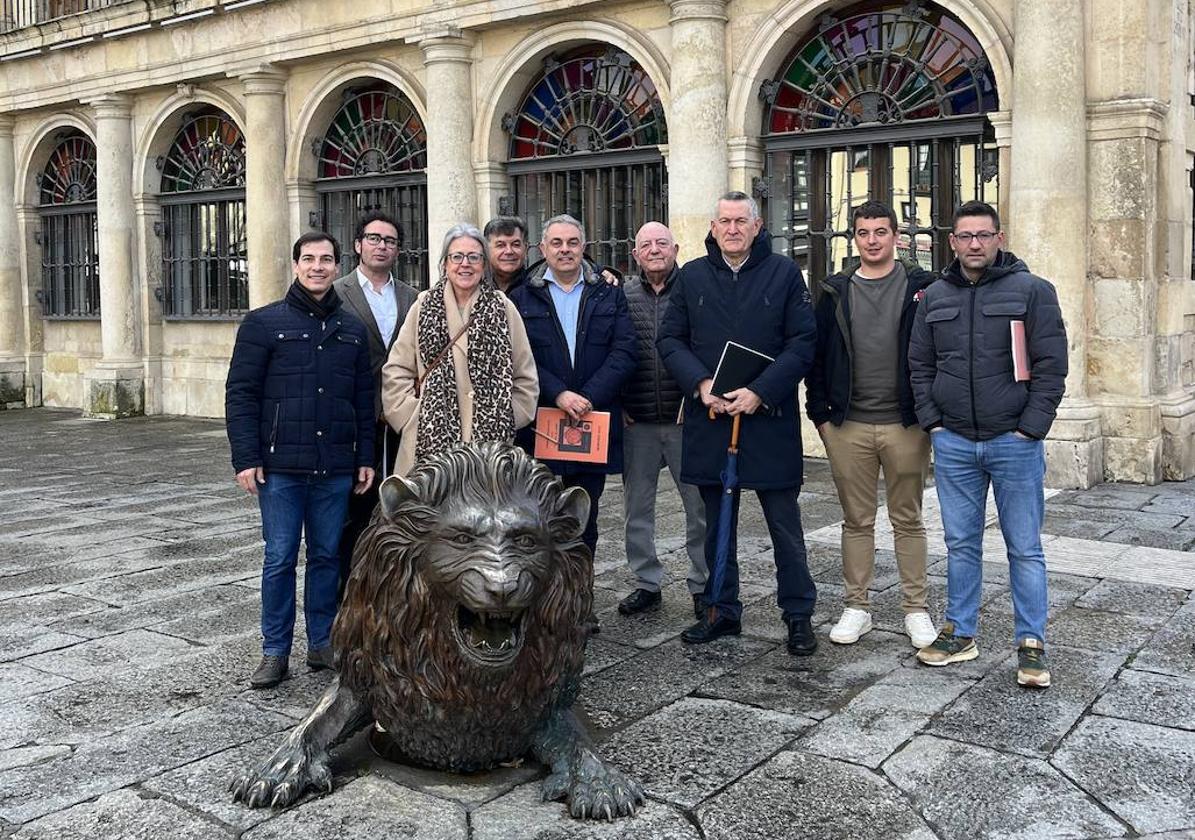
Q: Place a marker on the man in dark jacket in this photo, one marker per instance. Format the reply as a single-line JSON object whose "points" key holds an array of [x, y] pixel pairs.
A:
{"points": [[985, 319], [584, 347], [380, 302], [652, 435], [299, 405], [742, 292], [859, 397]]}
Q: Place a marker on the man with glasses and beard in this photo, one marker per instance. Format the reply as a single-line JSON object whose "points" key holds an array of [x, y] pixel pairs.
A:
{"points": [[380, 302]]}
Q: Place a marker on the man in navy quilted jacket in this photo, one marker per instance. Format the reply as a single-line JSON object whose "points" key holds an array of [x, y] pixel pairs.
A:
{"points": [[299, 404]]}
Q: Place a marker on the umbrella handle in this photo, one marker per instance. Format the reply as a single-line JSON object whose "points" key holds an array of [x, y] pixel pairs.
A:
{"points": [[734, 433]]}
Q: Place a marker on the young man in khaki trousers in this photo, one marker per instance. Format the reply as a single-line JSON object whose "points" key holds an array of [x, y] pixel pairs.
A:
{"points": [[860, 399]]}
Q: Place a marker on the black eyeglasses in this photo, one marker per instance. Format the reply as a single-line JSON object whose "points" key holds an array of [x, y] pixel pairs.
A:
{"points": [[984, 237], [378, 239]]}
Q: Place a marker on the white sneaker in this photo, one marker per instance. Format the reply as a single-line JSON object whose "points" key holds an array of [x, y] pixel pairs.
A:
{"points": [[920, 629], [853, 624]]}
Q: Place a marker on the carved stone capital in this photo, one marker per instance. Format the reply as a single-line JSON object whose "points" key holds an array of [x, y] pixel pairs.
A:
{"points": [[446, 44], [266, 80], [112, 106], [683, 10]]}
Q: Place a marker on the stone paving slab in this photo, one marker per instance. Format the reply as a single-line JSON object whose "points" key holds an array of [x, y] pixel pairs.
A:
{"points": [[987, 799], [18, 680], [366, 809], [998, 713], [1172, 648], [687, 751], [804, 797], [125, 814], [633, 688], [125, 758], [885, 715], [814, 686], [523, 815], [1150, 698], [1145, 774]]}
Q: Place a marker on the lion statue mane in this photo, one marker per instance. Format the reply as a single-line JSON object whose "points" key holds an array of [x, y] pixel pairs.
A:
{"points": [[462, 634]]}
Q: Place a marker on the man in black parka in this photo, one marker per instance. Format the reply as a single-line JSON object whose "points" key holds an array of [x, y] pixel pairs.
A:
{"points": [[742, 292]]}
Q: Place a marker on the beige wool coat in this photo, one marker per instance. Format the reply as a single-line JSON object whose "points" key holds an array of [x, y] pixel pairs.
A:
{"points": [[404, 366]]}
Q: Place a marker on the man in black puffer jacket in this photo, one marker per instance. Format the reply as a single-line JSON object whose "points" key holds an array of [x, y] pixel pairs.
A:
{"points": [[987, 417], [651, 402], [299, 405]]}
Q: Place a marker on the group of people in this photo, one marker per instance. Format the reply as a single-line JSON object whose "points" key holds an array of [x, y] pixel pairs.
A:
{"points": [[347, 380]]}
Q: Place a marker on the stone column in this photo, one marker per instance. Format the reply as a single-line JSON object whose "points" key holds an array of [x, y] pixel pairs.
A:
{"points": [[491, 183], [451, 197], [115, 387], [1048, 208], [697, 156], [12, 327], [267, 220]]}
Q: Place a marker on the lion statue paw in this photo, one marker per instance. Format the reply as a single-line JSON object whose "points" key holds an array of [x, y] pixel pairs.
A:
{"points": [[281, 779], [593, 789]]}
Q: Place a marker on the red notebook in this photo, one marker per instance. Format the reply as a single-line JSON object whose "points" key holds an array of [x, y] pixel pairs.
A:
{"points": [[1020, 352], [558, 439]]}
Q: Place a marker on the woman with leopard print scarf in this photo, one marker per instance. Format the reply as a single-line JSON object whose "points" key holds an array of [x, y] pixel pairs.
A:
{"points": [[461, 368]]}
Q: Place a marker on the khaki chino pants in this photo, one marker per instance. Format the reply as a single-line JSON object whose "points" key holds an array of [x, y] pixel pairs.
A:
{"points": [[858, 452]]}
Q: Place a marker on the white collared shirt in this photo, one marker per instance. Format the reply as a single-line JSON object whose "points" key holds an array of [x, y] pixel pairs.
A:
{"points": [[383, 305]]}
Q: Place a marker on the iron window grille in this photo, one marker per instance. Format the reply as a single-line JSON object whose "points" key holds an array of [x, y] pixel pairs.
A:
{"points": [[205, 258], [883, 102], [373, 156], [70, 268], [585, 141]]}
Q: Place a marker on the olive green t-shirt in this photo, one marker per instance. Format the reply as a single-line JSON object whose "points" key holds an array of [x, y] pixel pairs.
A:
{"points": [[875, 333]]}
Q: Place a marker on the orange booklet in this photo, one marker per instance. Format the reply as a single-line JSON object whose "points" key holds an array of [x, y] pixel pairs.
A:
{"points": [[557, 438], [1020, 352]]}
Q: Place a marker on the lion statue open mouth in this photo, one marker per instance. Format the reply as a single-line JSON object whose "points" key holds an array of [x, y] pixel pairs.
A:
{"points": [[462, 634]]}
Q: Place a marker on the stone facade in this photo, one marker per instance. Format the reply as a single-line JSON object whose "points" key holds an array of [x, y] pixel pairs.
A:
{"points": [[1095, 127]]}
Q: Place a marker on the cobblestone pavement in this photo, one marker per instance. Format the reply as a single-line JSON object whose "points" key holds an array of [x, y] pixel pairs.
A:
{"points": [[129, 570]]}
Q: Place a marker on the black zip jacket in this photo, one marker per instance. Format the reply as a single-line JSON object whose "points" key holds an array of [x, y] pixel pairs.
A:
{"points": [[960, 356], [651, 395], [828, 385]]}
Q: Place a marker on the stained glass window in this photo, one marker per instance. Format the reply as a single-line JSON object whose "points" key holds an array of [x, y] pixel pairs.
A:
{"points": [[208, 153], [373, 156], [69, 252], [831, 140], [205, 253], [586, 142], [592, 101], [882, 63], [375, 132]]}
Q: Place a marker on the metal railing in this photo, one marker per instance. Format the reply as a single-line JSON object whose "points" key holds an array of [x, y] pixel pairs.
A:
{"points": [[18, 14]]}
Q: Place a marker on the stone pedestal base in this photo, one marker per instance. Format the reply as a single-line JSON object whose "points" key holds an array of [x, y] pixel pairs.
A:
{"points": [[1178, 438], [112, 392], [1132, 439], [1074, 449], [12, 383]]}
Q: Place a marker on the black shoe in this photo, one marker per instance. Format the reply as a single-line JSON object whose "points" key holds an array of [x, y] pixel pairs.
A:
{"points": [[704, 631], [270, 672], [321, 659], [698, 606], [638, 601], [801, 641]]}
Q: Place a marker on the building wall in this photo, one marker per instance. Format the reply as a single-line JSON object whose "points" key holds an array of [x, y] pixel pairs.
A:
{"points": [[1124, 275]]}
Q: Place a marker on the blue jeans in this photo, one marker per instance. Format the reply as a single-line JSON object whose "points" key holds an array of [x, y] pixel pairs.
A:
{"points": [[1015, 467], [291, 506]]}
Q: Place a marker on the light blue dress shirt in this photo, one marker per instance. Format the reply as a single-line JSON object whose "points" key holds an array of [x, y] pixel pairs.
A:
{"points": [[383, 305], [568, 309]]}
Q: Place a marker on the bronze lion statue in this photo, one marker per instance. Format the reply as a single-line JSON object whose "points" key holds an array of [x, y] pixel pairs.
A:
{"points": [[462, 635]]}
